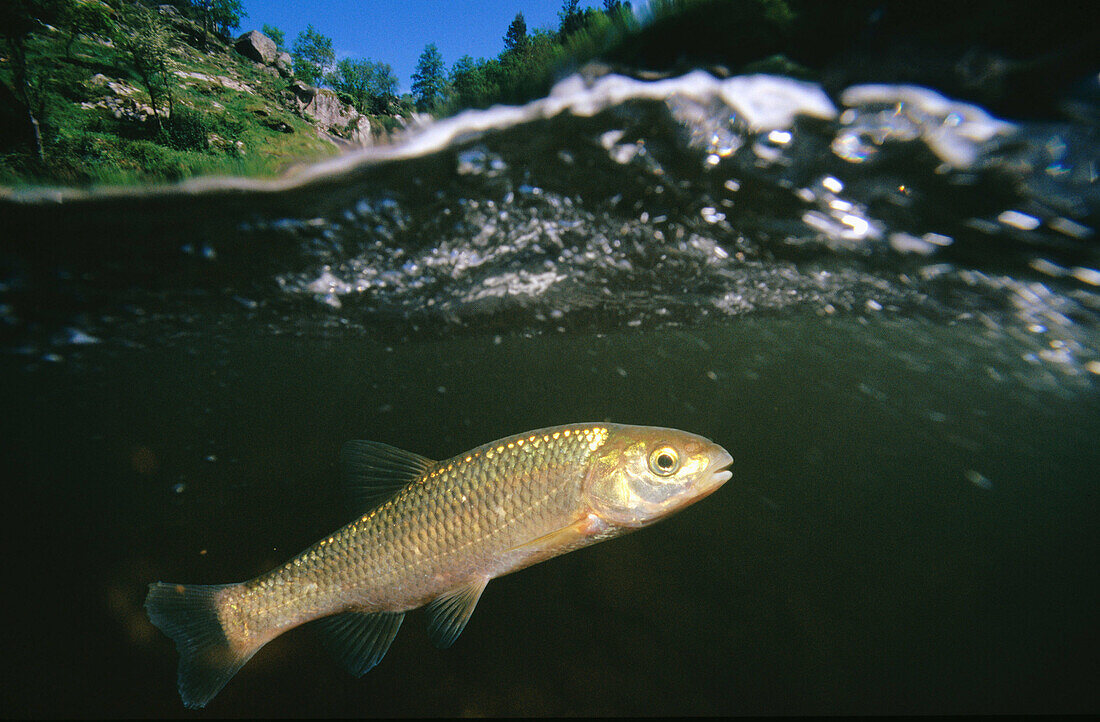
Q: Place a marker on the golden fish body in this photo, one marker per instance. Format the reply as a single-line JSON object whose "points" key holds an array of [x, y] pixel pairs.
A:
{"points": [[442, 532]]}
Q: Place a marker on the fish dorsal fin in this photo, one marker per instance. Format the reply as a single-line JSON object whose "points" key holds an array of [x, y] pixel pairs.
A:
{"points": [[448, 614], [360, 639], [374, 471]]}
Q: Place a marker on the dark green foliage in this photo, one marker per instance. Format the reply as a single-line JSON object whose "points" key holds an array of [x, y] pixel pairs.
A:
{"points": [[371, 87], [516, 37], [571, 18], [531, 62], [220, 16], [84, 17], [313, 55], [277, 35], [469, 85], [40, 115], [21, 21], [227, 15], [186, 130], [429, 84]]}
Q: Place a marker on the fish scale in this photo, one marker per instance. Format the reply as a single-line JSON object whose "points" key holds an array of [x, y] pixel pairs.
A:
{"points": [[356, 567], [444, 531]]}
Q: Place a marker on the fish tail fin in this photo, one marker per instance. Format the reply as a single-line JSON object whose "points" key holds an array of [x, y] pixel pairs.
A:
{"points": [[189, 615]]}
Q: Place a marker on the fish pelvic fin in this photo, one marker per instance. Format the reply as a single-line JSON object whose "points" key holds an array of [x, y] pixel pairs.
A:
{"points": [[361, 639], [447, 615], [189, 615]]}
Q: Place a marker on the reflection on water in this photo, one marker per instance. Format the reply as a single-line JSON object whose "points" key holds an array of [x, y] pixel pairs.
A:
{"points": [[884, 304]]}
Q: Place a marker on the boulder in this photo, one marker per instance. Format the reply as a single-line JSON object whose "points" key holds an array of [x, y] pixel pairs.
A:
{"points": [[338, 122], [360, 131], [285, 65], [303, 93], [327, 110], [254, 45]]}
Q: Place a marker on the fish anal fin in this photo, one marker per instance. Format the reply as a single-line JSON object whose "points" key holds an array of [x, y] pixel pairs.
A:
{"points": [[374, 471], [361, 639], [448, 614]]}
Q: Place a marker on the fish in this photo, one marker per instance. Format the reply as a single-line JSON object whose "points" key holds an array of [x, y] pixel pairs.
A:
{"points": [[433, 534]]}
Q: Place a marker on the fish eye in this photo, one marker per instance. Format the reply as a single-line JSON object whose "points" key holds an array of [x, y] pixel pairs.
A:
{"points": [[664, 461]]}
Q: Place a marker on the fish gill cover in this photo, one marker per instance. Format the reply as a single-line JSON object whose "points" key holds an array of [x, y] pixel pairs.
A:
{"points": [[613, 201]]}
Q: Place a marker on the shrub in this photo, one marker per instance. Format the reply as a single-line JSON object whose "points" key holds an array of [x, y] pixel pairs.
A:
{"points": [[187, 130]]}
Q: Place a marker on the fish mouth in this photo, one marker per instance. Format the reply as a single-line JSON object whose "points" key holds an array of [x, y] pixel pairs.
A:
{"points": [[719, 474]]}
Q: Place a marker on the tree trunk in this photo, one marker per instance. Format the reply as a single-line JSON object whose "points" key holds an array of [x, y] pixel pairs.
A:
{"points": [[36, 134], [154, 98], [23, 93]]}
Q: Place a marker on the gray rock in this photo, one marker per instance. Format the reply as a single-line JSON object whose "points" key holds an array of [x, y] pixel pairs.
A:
{"points": [[254, 45], [285, 65], [334, 120], [326, 109], [303, 93], [416, 120], [340, 123]]}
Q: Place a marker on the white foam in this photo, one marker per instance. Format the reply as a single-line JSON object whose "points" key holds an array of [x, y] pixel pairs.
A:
{"points": [[954, 131]]}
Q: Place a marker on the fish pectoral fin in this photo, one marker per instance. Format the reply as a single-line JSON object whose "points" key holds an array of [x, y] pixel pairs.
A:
{"points": [[374, 471], [360, 639], [559, 541], [448, 614]]}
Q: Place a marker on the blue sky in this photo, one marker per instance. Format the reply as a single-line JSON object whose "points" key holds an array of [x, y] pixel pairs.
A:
{"points": [[396, 31]]}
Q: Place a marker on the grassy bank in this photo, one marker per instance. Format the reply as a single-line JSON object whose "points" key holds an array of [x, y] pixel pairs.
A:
{"points": [[96, 121]]}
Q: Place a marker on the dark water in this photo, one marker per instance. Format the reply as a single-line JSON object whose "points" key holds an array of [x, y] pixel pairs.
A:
{"points": [[884, 305]]}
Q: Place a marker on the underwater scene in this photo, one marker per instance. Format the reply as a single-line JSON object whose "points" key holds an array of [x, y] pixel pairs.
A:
{"points": [[882, 301]]}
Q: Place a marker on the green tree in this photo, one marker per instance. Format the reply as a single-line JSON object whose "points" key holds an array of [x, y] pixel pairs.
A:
{"points": [[516, 37], [19, 21], [429, 84], [313, 55], [148, 40], [383, 89], [371, 87], [227, 15], [83, 17], [276, 35], [220, 16], [571, 18], [471, 84]]}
